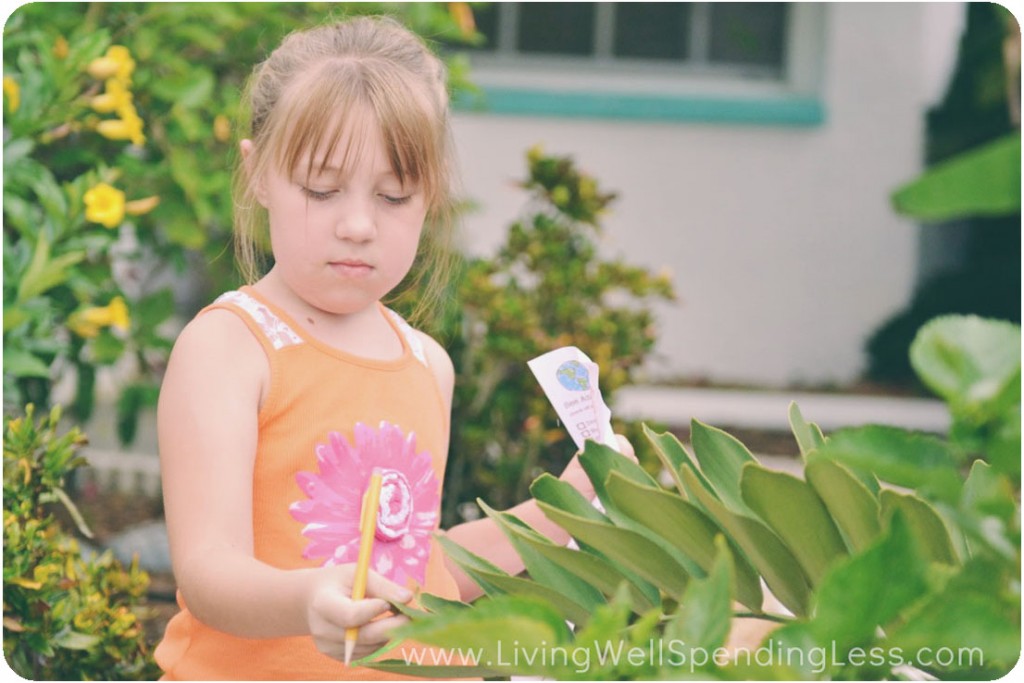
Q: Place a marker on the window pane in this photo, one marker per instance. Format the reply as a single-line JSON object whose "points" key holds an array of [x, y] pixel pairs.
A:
{"points": [[748, 32], [563, 28], [654, 30], [486, 18]]}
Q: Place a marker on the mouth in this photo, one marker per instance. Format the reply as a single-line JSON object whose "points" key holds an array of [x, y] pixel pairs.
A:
{"points": [[351, 268]]}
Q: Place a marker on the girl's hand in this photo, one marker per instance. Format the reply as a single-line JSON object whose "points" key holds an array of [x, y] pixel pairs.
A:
{"points": [[575, 476], [330, 610]]}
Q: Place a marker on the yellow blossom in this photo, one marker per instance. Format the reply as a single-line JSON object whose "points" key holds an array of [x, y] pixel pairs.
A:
{"points": [[13, 92], [221, 128], [137, 207], [117, 63], [128, 127], [463, 16], [89, 321], [115, 97], [104, 205], [60, 47]]}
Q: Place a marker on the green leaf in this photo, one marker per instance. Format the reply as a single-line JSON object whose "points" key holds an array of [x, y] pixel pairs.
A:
{"points": [[808, 437], [598, 572], [976, 615], [527, 588], [629, 548], [558, 494], [870, 589], [599, 461], [434, 603], [762, 547], [721, 458], [541, 569], [494, 627], [705, 615], [401, 668], [852, 507], [475, 566], [44, 273], [14, 316], [73, 511], [674, 457], [988, 493], [795, 512], [74, 640], [925, 523], [984, 181], [909, 459], [21, 363], [968, 360], [684, 526]]}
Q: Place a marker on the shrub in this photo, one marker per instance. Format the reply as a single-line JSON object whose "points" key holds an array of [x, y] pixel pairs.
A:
{"points": [[66, 617], [874, 578], [548, 286]]}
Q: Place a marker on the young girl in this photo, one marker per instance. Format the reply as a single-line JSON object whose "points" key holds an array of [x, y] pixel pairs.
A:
{"points": [[282, 397]]}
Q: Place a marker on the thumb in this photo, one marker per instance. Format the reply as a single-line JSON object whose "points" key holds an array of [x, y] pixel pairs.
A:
{"points": [[379, 587]]}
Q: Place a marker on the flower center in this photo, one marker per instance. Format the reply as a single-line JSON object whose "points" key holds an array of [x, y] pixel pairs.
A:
{"points": [[395, 507]]}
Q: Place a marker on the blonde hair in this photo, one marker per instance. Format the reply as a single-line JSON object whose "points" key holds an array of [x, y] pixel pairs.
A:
{"points": [[293, 99]]}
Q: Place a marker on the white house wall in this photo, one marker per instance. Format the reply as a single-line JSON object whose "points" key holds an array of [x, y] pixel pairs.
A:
{"points": [[781, 240]]}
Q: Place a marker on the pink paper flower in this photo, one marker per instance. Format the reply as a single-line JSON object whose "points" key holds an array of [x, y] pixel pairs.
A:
{"points": [[409, 501]]}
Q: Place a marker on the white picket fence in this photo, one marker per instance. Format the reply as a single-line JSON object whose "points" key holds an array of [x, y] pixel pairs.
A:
{"points": [[118, 471]]}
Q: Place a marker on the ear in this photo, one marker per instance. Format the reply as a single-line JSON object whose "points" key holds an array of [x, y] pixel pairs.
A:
{"points": [[259, 190]]}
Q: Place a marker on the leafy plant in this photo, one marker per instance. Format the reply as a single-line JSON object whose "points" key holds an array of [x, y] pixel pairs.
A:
{"points": [[65, 617], [548, 286], [894, 549]]}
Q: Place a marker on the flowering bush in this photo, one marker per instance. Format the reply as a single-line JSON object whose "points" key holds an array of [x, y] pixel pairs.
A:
{"points": [[65, 617]]}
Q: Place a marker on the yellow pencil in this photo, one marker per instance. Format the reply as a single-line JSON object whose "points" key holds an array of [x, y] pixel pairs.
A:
{"points": [[367, 529]]}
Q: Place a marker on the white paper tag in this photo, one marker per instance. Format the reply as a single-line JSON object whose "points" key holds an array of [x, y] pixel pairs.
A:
{"points": [[569, 379]]}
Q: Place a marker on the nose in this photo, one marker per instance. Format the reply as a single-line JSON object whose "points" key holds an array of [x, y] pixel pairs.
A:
{"points": [[356, 221]]}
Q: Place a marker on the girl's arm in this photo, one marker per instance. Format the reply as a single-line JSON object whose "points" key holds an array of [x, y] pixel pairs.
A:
{"points": [[483, 537], [207, 429]]}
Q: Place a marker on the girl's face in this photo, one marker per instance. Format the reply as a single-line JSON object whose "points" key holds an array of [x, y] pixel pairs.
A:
{"points": [[346, 235]]}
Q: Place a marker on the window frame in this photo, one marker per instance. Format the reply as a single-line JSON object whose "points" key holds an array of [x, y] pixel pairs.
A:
{"points": [[602, 86]]}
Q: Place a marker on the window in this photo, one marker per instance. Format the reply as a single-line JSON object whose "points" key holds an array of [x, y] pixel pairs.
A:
{"points": [[757, 62], [746, 38]]}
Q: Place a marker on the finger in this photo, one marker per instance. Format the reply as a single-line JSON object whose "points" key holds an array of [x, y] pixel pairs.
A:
{"points": [[625, 447], [379, 587], [377, 633], [354, 613]]}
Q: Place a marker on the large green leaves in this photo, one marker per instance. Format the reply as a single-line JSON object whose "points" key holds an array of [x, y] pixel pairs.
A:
{"points": [[795, 512], [852, 506], [684, 526], [980, 182]]}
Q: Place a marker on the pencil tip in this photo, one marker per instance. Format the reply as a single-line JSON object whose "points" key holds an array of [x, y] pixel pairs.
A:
{"points": [[349, 646]]}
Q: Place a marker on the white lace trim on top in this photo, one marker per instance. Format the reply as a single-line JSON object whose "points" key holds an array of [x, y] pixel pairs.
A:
{"points": [[415, 343], [275, 329], [281, 335]]}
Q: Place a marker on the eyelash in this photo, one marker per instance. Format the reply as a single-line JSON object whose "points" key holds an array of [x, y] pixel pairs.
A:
{"points": [[324, 196]]}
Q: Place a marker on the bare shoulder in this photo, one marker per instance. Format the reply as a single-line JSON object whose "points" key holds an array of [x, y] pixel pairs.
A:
{"points": [[441, 364], [217, 350]]}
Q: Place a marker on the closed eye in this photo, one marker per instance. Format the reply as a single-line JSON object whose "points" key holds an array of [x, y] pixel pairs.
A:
{"points": [[316, 195], [395, 201]]}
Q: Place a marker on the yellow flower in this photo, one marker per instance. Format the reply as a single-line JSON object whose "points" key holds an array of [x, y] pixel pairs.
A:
{"points": [[221, 128], [115, 97], [128, 127], [104, 205], [13, 92], [89, 321], [117, 63], [60, 47], [137, 207], [461, 13]]}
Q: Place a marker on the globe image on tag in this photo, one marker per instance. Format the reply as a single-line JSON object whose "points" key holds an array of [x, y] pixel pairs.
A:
{"points": [[573, 375]]}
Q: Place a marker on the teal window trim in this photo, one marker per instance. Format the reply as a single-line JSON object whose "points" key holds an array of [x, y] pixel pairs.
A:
{"points": [[781, 110]]}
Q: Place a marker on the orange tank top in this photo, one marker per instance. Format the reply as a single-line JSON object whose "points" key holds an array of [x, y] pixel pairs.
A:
{"points": [[328, 420]]}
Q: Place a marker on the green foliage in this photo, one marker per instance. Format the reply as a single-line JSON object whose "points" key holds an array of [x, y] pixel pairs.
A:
{"points": [[878, 579], [547, 287], [61, 262], [65, 617]]}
